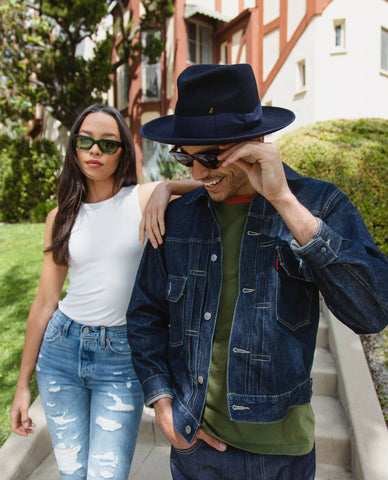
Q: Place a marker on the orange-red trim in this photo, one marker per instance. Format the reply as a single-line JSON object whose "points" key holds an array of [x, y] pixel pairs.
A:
{"points": [[240, 198]]}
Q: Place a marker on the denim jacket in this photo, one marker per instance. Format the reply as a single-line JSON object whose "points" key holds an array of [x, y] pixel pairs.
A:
{"points": [[172, 313]]}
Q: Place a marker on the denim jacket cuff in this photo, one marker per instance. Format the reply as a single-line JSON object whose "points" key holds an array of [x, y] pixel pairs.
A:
{"points": [[155, 398], [156, 387], [322, 249]]}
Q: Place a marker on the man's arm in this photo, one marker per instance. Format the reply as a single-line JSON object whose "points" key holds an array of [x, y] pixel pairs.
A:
{"points": [[350, 272]]}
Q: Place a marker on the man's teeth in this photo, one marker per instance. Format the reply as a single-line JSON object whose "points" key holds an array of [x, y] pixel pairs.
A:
{"points": [[211, 184]]}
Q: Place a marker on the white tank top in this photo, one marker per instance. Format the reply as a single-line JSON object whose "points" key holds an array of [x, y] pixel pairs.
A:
{"points": [[104, 258]]}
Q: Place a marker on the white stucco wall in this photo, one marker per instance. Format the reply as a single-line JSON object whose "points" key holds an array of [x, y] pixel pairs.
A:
{"points": [[271, 10], [296, 11], [230, 8], [270, 51], [208, 4], [339, 85]]}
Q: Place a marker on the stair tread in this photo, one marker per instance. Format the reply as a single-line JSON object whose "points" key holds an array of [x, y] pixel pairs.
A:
{"points": [[333, 472], [324, 361], [330, 417]]}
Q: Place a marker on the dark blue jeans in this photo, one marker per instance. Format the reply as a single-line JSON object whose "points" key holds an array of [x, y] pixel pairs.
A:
{"points": [[202, 462]]}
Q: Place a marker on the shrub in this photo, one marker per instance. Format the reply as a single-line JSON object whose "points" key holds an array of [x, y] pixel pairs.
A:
{"points": [[28, 175], [353, 154]]}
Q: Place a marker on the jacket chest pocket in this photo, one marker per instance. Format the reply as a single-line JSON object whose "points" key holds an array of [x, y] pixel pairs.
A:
{"points": [[295, 291], [175, 296]]}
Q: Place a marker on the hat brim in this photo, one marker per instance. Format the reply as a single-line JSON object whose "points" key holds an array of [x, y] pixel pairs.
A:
{"points": [[162, 129]]}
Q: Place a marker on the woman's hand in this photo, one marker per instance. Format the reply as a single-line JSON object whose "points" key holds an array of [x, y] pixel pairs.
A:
{"points": [[21, 423], [152, 221], [153, 199]]}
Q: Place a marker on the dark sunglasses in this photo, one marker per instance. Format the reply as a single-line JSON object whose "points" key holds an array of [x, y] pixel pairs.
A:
{"points": [[207, 159], [86, 143]]}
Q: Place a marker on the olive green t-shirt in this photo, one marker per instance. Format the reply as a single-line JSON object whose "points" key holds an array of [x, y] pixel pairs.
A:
{"points": [[294, 435]]}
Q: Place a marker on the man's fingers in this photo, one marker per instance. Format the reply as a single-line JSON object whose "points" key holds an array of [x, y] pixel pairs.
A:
{"points": [[213, 442]]}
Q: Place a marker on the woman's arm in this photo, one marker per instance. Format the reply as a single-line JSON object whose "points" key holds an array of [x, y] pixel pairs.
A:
{"points": [[43, 306], [153, 199]]}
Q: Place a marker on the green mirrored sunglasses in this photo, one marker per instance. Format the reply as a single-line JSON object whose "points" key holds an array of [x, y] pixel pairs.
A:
{"points": [[106, 146]]}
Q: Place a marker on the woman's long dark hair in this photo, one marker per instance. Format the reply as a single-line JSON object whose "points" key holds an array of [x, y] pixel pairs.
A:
{"points": [[72, 187]]}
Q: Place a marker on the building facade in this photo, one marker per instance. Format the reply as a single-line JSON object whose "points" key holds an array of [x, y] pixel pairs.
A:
{"points": [[323, 59]]}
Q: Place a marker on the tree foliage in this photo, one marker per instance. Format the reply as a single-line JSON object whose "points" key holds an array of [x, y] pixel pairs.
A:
{"points": [[23, 39], [28, 176], [41, 52]]}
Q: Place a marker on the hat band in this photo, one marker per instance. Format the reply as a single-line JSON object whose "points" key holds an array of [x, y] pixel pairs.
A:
{"points": [[216, 125]]}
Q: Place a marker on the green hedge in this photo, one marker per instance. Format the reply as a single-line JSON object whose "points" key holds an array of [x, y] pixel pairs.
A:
{"points": [[353, 154], [28, 175]]}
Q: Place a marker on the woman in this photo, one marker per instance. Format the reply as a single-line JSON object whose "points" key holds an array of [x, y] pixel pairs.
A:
{"points": [[89, 390]]}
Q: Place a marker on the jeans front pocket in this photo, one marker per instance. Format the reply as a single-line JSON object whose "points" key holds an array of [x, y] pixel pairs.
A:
{"points": [[119, 346], [53, 330], [190, 450]]}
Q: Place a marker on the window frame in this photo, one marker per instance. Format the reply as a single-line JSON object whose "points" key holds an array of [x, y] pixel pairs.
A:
{"points": [[197, 42], [122, 94], [339, 48], [301, 76], [148, 71], [384, 51]]}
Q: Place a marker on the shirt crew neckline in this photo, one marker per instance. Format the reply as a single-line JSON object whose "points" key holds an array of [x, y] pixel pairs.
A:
{"points": [[93, 205]]}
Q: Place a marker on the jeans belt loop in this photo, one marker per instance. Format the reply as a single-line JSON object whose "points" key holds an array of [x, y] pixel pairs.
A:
{"points": [[102, 336], [66, 327]]}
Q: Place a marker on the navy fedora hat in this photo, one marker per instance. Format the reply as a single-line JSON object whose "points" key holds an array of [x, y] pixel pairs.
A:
{"points": [[217, 104]]}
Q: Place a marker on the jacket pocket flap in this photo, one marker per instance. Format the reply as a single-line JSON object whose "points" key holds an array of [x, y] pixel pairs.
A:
{"points": [[294, 266], [175, 288]]}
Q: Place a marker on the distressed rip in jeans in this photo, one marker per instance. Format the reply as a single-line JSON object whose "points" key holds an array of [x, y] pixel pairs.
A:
{"points": [[91, 397]]}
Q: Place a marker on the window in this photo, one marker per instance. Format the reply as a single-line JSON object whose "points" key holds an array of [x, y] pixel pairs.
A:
{"points": [[151, 155], [384, 49], [224, 53], [150, 73], [122, 86], [301, 76], [339, 35], [199, 43]]}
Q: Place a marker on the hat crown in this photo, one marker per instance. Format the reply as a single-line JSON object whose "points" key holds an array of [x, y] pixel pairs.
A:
{"points": [[215, 89], [217, 104]]}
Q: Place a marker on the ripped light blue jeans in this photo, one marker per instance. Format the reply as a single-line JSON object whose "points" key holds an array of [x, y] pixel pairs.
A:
{"points": [[91, 397]]}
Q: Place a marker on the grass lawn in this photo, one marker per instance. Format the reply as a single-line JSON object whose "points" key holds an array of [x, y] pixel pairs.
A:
{"points": [[21, 254]]}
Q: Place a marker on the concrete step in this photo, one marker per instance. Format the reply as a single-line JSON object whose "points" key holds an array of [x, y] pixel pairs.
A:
{"points": [[324, 373], [323, 333], [332, 434], [331, 472], [47, 470]]}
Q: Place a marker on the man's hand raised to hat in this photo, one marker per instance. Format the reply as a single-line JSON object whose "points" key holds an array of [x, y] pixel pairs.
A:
{"points": [[264, 168], [262, 164]]}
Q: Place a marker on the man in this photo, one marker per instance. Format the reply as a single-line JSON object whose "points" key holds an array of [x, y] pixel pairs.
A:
{"points": [[224, 314]]}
